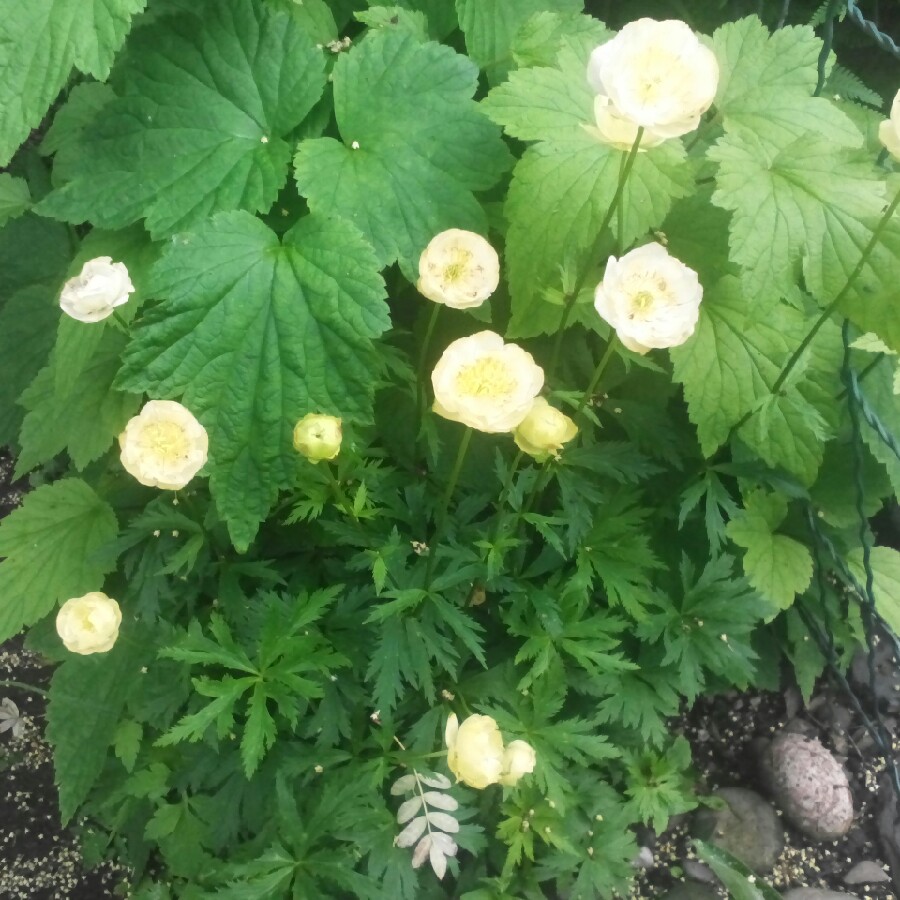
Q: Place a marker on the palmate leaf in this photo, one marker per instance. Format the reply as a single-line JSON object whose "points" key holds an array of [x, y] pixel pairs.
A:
{"points": [[86, 698], [490, 26], [766, 84], [563, 185], [776, 565], [51, 546], [252, 335], [415, 146], [74, 406], [40, 41], [199, 126], [794, 202]]}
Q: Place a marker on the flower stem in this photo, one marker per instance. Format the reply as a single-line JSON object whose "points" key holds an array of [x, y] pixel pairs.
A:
{"points": [[504, 491], [598, 373], [25, 687], [572, 296], [829, 310], [441, 516], [340, 495], [421, 390]]}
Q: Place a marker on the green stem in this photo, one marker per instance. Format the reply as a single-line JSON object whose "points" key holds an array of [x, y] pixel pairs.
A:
{"points": [[25, 687], [829, 310], [504, 491], [441, 516], [572, 296], [421, 389], [339, 493], [598, 373]]}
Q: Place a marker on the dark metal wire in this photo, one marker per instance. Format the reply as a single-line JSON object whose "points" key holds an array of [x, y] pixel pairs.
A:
{"points": [[874, 625], [884, 41]]}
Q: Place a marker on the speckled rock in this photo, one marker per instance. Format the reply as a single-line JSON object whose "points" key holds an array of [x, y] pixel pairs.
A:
{"points": [[809, 785], [816, 894], [748, 828]]}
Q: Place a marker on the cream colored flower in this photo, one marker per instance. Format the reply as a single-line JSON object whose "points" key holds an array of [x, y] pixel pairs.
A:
{"points": [[89, 624], [101, 286], [485, 384], [459, 269], [474, 750], [318, 437], [889, 130], [655, 74], [518, 759], [614, 129], [164, 446], [544, 430], [650, 298]]}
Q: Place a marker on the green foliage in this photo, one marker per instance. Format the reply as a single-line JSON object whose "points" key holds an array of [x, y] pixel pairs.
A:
{"points": [[40, 42], [286, 312], [52, 547], [778, 566], [87, 696], [410, 130], [740, 881], [271, 722], [199, 123]]}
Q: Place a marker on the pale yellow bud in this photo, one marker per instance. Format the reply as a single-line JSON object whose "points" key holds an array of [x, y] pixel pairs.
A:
{"points": [[518, 760], [318, 437], [89, 624], [544, 430]]}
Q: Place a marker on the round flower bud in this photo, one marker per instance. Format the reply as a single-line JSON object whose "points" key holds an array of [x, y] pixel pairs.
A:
{"points": [[650, 298], [89, 624], [93, 295], [544, 430], [459, 269], [474, 750], [518, 760], [657, 75], [318, 437], [164, 446], [485, 384], [889, 130]]}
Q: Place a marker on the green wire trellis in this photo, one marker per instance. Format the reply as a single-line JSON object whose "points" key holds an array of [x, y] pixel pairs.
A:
{"points": [[875, 627]]}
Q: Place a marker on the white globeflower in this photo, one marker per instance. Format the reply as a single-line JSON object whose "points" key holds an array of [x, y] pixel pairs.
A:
{"points": [[657, 75], [519, 759], [485, 384], [889, 130], [318, 437], [93, 294], [650, 298], [89, 624], [164, 446], [459, 269]]}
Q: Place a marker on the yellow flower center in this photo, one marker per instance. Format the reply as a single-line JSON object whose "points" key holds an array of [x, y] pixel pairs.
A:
{"points": [[642, 301], [486, 377], [456, 269], [84, 620], [165, 439]]}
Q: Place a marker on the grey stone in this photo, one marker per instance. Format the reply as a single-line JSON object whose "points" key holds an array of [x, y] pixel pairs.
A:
{"points": [[748, 828], [699, 871], [816, 894], [809, 785], [692, 891], [867, 872]]}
